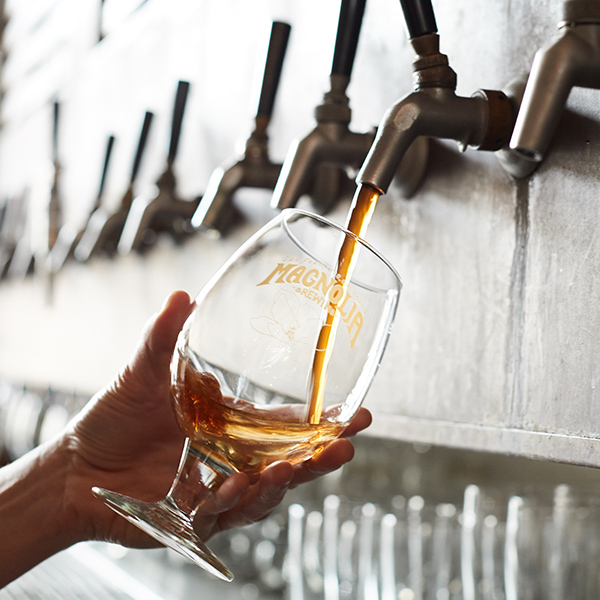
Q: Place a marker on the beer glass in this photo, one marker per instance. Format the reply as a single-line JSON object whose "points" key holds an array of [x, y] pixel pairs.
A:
{"points": [[251, 382]]}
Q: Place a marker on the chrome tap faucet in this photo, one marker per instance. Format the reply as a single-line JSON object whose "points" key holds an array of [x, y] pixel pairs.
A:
{"points": [[316, 164], [104, 229], [54, 204], [12, 230], [68, 237], [483, 121], [571, 58], [254, 169], [158, 209]]}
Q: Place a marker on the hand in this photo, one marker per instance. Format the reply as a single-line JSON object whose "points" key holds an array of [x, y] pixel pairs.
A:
{"points": [[127, 440]]}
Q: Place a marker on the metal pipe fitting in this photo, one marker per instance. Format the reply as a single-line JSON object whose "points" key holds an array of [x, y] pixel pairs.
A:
{"points": [[432, 112], [68, 236], [254, 169], [103, 228], [330, 143], [571, 58], [317, 164], [483, 121], [158, 209]]}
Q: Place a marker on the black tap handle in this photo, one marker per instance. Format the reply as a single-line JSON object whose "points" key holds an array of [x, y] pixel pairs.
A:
{"points": [[55, 119], [141, 145], [280, 33], [109, 147], [419, 17], [346, 41], [180, 101]]}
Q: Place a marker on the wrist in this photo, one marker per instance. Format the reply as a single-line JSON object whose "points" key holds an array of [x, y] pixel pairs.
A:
{"points": [[34, 517]]}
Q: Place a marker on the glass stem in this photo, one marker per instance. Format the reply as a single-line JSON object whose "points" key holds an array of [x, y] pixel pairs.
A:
{"points": [[199, 475]]}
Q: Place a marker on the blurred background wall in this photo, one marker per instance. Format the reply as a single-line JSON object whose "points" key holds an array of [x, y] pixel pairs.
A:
{"points": [[495, 346]]}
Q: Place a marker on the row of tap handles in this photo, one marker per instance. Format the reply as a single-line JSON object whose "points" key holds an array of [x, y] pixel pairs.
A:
{"points": [[517, 124]]}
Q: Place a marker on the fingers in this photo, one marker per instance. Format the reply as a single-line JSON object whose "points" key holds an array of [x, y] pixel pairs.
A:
{"points": [[262, 497], [268, 492], [167, 324], [227, 496], [331, 458], [362, 419], [153, 355], [265, 495], [335, 454]]}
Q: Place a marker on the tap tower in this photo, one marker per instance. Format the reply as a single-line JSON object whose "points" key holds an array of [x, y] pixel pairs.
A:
{"points": [[483, 121]]}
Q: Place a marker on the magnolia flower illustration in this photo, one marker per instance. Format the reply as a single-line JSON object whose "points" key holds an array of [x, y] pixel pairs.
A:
{"points": [[293, 323]]}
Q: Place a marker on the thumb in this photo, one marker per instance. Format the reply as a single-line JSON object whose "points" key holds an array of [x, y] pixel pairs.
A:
{"points": [[153, 355]]}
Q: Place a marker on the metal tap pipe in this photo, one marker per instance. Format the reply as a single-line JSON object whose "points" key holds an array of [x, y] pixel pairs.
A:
{"points": [[68, 237], [12, 229], [254, 169], [158, 209], [330, 143], [103, 230], [432, 112], [54, 204], [483, 121], [313, 164], [571, 58]]}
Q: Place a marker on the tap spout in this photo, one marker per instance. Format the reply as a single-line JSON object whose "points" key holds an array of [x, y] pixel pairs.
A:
{"points": [[571, 58], [483, 121], [330, 143], [158, 208], [254, 169], [68, 236], [103, 229], [430, 112], [313, 164]]}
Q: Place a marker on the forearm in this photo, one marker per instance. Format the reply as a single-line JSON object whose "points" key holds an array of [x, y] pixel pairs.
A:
{"points": [[33, 525]]}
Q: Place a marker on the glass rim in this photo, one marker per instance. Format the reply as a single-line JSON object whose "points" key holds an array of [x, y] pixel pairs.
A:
{"points": [[287, 213]]}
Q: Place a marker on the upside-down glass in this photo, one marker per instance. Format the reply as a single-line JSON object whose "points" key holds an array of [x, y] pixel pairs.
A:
{"points": [[242, 370]]}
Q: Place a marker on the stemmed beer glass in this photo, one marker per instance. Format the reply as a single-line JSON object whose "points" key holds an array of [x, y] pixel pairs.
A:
{"points": [[249, 363]]}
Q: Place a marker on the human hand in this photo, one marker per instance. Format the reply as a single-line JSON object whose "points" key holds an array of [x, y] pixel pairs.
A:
{"points": [[127, 440]]}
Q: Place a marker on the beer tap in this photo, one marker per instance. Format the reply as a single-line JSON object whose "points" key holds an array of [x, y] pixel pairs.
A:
{"points": [[54, 208], [7, 244], [483, 121], [13, 226], [158, 209], [23, 257], [104, 229], [31, 251], [316, 164], [101, 20], [571, 58], [69, 237], [254, 169]]}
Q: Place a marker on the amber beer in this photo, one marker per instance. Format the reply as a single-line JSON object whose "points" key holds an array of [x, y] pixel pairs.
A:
{"points": [[239, 434], [359, 218], [248, 437]]}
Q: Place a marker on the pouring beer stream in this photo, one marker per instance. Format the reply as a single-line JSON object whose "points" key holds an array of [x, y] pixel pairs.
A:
{"points": [[359, 217]]}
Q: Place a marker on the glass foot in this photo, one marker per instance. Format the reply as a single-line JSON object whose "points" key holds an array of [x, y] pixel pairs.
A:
{"points": [[167, 524]]}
